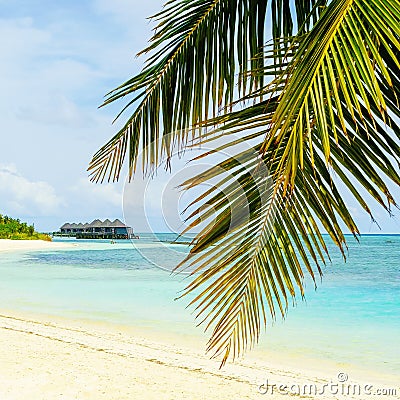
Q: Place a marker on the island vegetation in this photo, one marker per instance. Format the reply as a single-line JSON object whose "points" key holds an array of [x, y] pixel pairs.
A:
{"points": [[11, 228]]}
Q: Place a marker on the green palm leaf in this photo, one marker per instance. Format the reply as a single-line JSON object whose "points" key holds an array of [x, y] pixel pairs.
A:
{"points": [[255, 251], [198, 47], [342, 65], [188, 42], [324, 120], [261, 239], [228, 256]]}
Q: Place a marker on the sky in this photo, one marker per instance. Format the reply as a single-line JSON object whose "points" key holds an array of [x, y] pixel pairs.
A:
{"points": [[58, 60]]}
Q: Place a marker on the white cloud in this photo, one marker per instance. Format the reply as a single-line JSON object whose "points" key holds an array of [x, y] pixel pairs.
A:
{"points": [[24, 42], [55, 110], [127, 11], [21, 196], [94, 197], [44, 82]]}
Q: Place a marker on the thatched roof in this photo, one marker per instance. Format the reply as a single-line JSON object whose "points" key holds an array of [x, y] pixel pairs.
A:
{"points": [[118, 224], [106, 224], [67, 225], [96, 224]]}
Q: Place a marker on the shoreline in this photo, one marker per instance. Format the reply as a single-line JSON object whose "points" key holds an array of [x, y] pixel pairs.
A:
{"points": [[8, 245], [54, 357]]}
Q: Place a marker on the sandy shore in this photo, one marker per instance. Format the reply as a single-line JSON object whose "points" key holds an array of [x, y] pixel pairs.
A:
{"points": [[52, 358], [30, 245], [47, 357]]}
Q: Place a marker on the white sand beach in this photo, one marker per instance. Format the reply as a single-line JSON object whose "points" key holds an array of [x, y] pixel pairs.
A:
{"points": [[53, 358], [7, 245], [45, 360], [48, 357]]}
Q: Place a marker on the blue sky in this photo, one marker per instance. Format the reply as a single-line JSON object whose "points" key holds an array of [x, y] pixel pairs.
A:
{"points": [[58, 59]]}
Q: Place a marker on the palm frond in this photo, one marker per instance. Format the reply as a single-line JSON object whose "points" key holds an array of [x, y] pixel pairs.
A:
{"points": [[198, 47], [255, 251], [199, 51], [253, 254], [328, 120], [344, 65]]}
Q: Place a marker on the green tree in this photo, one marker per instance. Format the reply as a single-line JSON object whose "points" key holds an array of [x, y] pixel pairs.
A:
{"points": [[31, 230], [11, 228], [314, 87]]}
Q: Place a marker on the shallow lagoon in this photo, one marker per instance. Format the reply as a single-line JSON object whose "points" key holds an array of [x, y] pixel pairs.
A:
{"points": [[353, 317]]}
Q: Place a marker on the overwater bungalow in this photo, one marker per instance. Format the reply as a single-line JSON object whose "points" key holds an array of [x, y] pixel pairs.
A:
{"points": [[97, 230]]}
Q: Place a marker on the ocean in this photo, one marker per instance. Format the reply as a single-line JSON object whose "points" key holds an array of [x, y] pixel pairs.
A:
{"points": [[353, 317]]}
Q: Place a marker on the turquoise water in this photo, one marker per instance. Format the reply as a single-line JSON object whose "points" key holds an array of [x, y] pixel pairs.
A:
{"points": [[353, 317]]}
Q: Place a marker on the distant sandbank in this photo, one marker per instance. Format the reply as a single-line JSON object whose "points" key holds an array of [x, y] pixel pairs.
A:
{"points": [[7, 245]]}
